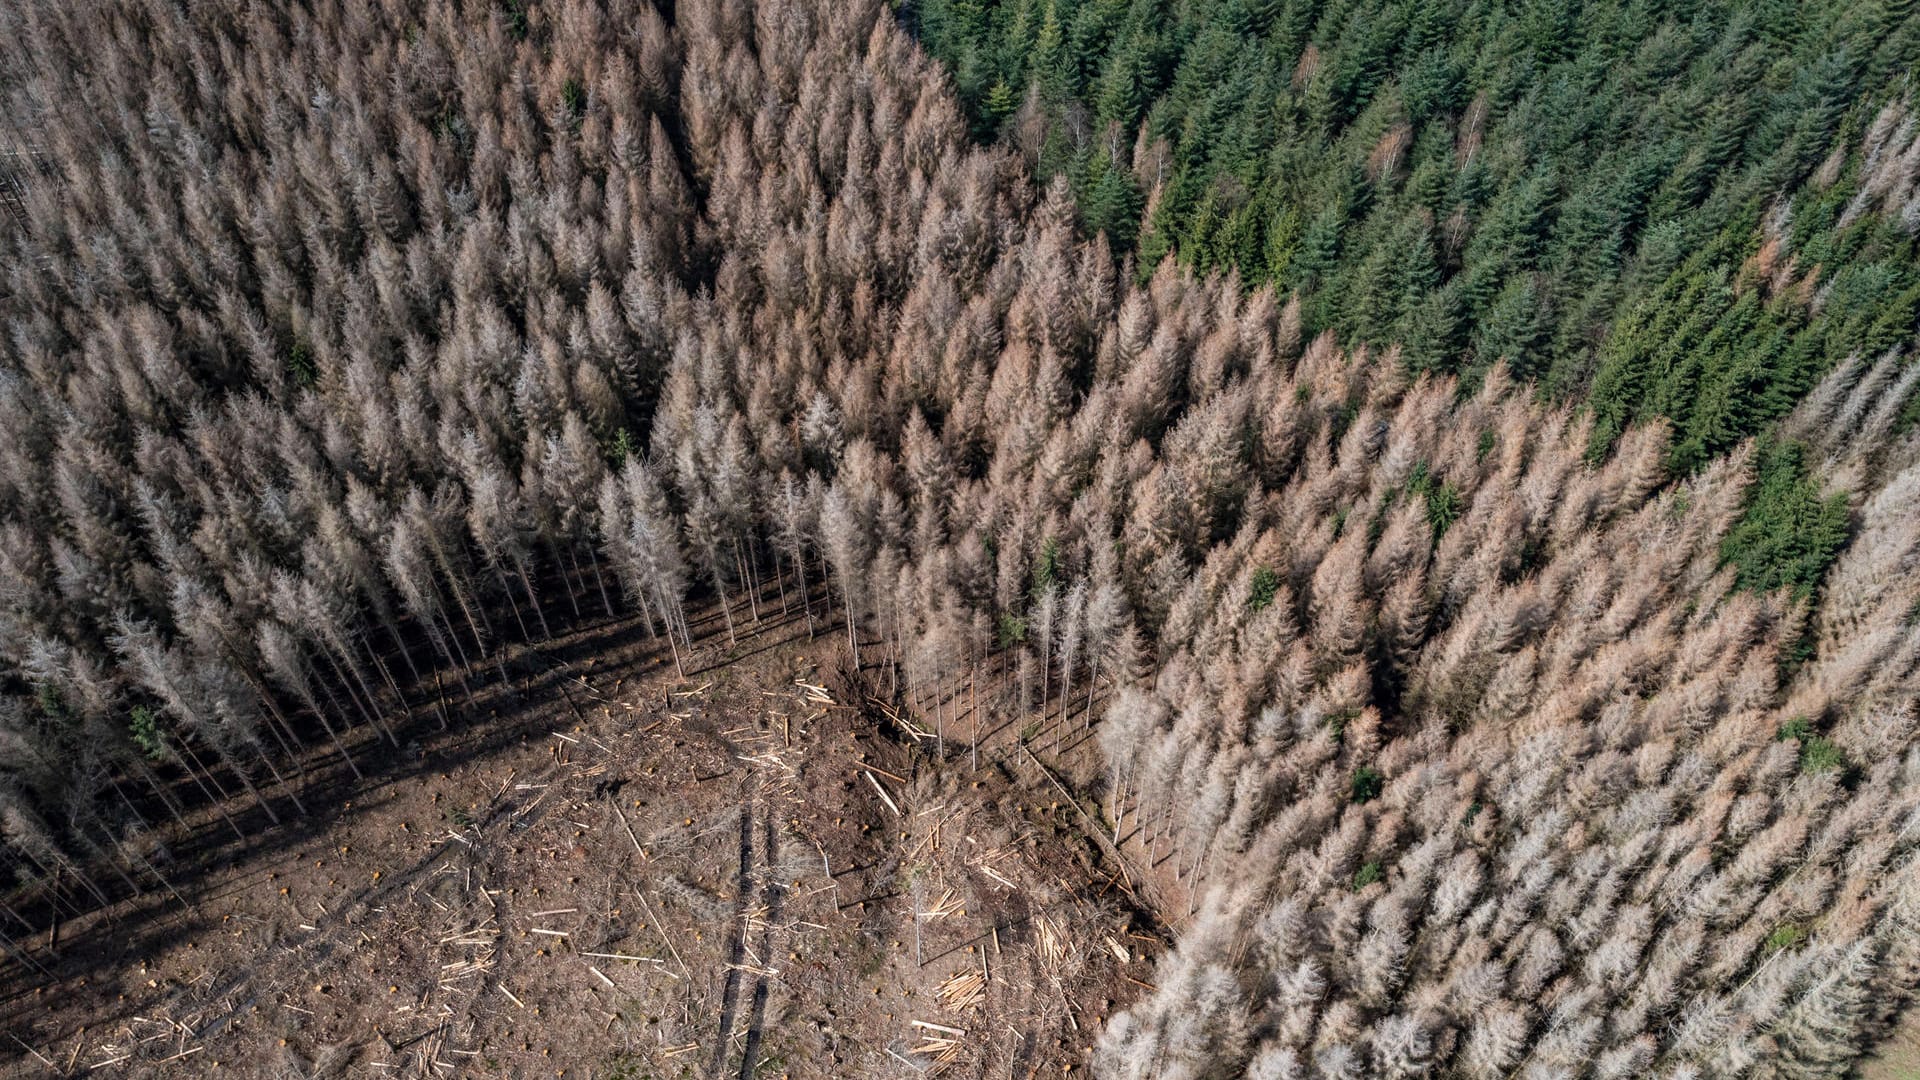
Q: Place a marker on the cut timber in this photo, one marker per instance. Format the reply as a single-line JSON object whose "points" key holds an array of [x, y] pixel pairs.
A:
{"points": [[965, 990], [624, 956], [959, 1032], [884, 797]]}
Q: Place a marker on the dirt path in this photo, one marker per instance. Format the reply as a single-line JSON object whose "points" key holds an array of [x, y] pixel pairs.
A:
{"points": [[772, 891], [736, 952]]}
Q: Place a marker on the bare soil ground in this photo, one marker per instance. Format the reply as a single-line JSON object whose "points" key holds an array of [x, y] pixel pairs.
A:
{"points": [[610, 872]]}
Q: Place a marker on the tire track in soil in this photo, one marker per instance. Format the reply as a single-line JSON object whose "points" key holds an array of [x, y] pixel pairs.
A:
{"points": [[326, 941], [771, 893], [736, 941]]}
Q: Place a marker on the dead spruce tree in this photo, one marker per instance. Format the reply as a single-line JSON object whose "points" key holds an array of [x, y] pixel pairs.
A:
{"points": [[333, 339]]}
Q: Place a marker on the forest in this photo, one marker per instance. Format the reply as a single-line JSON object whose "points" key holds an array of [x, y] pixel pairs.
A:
{"points": [[1439, 479], [1584, 191]]}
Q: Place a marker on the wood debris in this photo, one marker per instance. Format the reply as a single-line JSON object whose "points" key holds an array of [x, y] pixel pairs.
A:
{"points": [[948, 904], [1053, 942], [964, 991], [884, 797]]}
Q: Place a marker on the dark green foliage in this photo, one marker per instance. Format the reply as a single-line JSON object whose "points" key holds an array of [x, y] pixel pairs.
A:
{"points": [[1012, 630], [1368, 873], [1789, 532], [1576, 188], [1818, 754], [622, 448], [1786, 936], [1264, 586], [1443, 508], [1797, 728], [1046, 568], [145, 729], [1444, 505], [1367, 784], [1712, 348], [514, 12], [300, 364]]}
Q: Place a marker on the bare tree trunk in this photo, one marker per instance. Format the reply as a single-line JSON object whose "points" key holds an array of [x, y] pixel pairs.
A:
{"points": [[1066, 706], [442, 635], [747, 581], [386, 676], [853, 635], [128, 803], [373, 702], [275, 724], [1093, 683], [277, 720], [668, 608], [599, 581], [100, 855], [806, 593], [1197, 877], [247, 782], [314, 707], [153, 871], [973, 709], [24, 924], [369, 709], [676, 609], [526, 582], [1046, 672], [553, 552], [512, 604], [939, 723], [719, 587], [19, 954], [780, 579], [292, 795], [646, 615], [893, 662], [159, 790], [53, 873], [333, 699], [679, 669], [477, 624], [399, 644], [827, 599], [219, 804]]}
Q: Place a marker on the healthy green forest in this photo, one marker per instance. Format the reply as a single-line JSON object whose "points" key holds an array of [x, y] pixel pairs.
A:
{"points": [[1687, 210]]}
